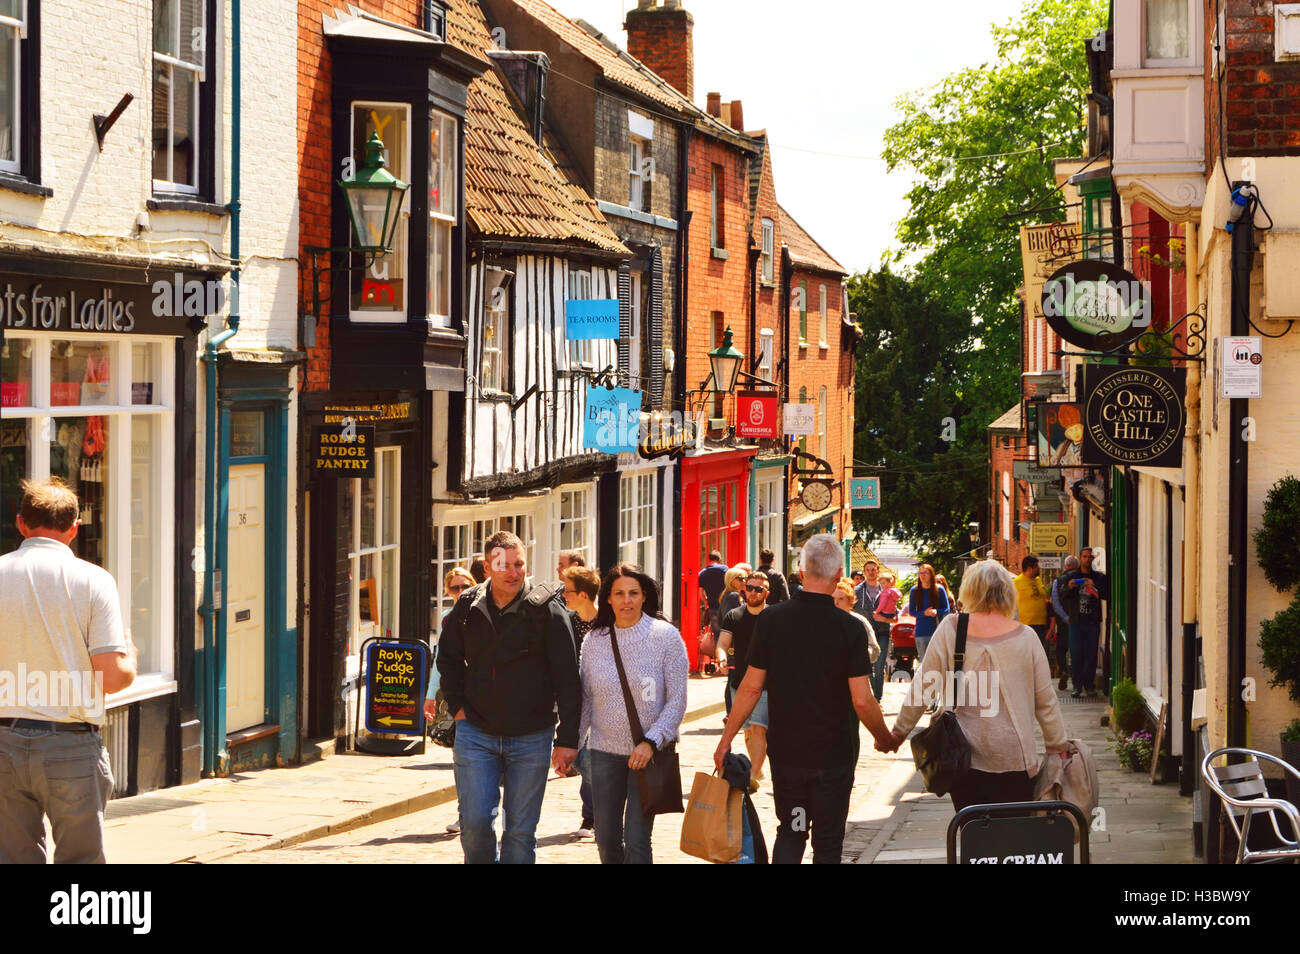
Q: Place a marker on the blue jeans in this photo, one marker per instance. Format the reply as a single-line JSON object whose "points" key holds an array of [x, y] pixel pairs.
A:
{"points": [[584, 790], [922, 643], [622, 832], [878, 667], [483, 762], [1083, 654]]}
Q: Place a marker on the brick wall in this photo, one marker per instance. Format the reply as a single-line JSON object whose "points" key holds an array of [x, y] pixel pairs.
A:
{"points": [[814, 367], [1261, 97], [1003, 449], [316, 188], [716, 284], [768, 298], [662, 39]]}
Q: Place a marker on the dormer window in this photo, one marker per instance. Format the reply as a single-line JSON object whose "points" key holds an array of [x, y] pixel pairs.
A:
{"points": [[435, 18]]}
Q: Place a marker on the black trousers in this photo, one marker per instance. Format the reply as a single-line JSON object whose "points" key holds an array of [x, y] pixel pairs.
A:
{"points": [[991, 788], [812, 800]]}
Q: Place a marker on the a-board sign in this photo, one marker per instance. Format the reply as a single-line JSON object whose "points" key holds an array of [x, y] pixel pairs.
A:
{"points": [[342, 450], [1034, 840], [395, 684]]}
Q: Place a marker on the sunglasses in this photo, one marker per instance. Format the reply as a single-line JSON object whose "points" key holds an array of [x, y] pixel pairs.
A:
{"points": [[457, 587], [756, 589]]}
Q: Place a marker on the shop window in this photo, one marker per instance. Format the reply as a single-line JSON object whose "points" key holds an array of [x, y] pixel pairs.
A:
{"points": [[378, 293], [457, 544], [767, 522], [181, 128], [573, 527], [719, 512], [443, 157], [637, 519], [83, 425], [376, 548]]}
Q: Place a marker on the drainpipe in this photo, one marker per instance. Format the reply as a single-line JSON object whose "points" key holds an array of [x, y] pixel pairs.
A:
{"points": [[679, 358], [1191, 523], [1243, 245], [211, 677]]}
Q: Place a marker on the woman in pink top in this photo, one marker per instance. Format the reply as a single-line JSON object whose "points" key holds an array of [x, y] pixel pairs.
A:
{"points": [[1006, 686]]}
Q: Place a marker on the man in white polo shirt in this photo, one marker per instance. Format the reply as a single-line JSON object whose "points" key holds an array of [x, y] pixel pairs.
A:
{"points": [[62, 647]]}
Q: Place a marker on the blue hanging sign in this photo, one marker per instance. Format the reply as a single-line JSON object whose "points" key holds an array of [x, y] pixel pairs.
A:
{"points": [[864, 493], [612, 421], [589, 319]]}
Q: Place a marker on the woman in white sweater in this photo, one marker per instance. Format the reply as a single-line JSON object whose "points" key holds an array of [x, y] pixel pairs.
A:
{"points": [[654, 658], [1006, 685]]}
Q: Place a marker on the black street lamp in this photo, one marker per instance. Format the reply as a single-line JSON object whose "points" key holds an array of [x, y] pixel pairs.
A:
{"points": [[724, 362]]}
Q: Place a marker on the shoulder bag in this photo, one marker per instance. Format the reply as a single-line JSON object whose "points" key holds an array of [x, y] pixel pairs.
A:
{"points": [[660, 782], [940, 751]]}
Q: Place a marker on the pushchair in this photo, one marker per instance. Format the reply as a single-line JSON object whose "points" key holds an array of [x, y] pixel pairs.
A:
{"points": [[902, 650]]}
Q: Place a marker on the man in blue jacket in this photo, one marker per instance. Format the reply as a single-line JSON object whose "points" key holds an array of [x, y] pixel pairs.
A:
{"points": [[508, 664], [1085, 590]]}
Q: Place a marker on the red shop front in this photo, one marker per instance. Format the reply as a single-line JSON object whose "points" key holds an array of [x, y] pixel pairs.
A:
{"points": [[715, 516]]}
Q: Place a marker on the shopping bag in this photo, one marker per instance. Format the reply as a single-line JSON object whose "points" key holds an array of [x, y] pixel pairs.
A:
{"points": [[712, 827]]}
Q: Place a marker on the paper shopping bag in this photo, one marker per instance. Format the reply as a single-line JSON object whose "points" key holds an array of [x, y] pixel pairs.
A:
{"points": [[712, 827]]}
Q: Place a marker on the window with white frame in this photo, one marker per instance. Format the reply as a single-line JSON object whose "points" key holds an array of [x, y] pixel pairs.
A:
{"points": [[636, 343], [99, 412], [765, 349], [179, 51], [640, 174], [803, 439], [573, 535], [378, 293], [821, 423], [13, 27], [1006, 506], [457, 542], [495, 364], [769, 236], [443, 155], [580, 352], [373, 570], [637, 515], [717, 231], [768, 519], [821, 311], [1167, 32]]}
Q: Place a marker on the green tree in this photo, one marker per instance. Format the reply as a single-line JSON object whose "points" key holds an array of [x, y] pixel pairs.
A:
{"points": [[981, 145]]}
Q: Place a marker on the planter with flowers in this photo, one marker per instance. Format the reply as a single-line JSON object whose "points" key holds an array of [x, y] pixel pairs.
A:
{"points": [[1133, 749]]}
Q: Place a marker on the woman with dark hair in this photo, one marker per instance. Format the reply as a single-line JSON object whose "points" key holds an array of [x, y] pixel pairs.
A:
{"points": [[653, 656], [927, 603]]}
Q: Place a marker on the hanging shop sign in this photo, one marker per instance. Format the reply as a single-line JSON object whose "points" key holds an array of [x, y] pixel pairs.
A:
{"points": [[612, 420], [358, 413], [1060, 435], [1133, 415], [800, 420], [1096, 305], [589, 319], [665, 437], [864, 492], [1049, 537], [1032, 472], [342, 450], [1042, 249], [757, 414], [396, 674], [1241, 367]]}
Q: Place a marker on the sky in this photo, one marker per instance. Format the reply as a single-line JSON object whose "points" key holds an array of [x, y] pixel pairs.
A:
{"points": [[823, 84]]}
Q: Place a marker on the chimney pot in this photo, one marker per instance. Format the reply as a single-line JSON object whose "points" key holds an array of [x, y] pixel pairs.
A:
{"points": [[737, 116], [715, 104]]}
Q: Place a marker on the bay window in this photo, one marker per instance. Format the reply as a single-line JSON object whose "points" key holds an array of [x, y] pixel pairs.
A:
{"points": [[378, 294], [443, 153]]}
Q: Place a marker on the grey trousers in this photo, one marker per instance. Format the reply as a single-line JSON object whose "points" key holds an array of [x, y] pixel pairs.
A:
{"points": [[64, 775]]}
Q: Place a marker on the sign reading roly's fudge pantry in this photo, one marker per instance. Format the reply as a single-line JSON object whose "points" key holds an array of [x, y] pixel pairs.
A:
{"points": [[343, 450], [1133, 415]]}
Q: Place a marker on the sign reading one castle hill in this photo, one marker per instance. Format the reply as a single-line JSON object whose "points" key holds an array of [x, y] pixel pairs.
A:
{"points": [[1096, 305], [1133, 415]]}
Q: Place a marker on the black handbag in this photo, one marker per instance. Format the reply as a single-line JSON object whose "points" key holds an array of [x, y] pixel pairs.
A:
{"points": [[940, 751], [660, 782]]}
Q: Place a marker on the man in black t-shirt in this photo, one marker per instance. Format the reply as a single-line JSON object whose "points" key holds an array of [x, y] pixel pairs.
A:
{"points": [[737, 635], [813, 662]]}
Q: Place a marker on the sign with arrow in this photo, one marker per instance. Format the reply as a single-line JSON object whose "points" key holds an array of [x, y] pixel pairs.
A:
{"points": [[395, 676]]}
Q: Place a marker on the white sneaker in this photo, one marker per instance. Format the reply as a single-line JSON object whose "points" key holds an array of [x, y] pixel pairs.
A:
{"points": [[454, 827], [587, 831]]}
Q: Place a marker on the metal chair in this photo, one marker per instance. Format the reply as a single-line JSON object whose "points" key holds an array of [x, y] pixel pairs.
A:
{"points": [[1242, 788]]}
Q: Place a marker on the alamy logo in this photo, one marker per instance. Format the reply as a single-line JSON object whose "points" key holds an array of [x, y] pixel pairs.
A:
{"points": [[76, 907], [62, 690]]}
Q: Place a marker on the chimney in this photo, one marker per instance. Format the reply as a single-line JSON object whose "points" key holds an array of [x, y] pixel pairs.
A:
{"points": [[526, 74], [660, 37], [737, 121], [714, 107]]}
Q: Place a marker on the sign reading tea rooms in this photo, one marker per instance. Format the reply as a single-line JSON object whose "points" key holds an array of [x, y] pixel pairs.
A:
{"points": [[1096, 305], [1133, 415]]}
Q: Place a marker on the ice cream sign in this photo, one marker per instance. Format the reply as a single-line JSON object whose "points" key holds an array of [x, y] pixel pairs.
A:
{"points": [[1096, 305]]}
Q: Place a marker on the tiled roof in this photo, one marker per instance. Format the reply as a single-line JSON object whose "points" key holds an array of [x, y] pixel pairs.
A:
{"points": [[804, 249], [619, 66], [1010, 421], [511, 189]]}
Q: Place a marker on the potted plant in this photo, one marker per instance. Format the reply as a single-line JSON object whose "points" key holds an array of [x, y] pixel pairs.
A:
{"points": [[1279, 637], [1134, 750], [1127, 707]]}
